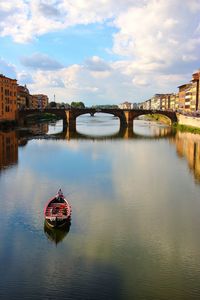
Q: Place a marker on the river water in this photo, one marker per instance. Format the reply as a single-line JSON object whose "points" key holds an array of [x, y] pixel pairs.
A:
{"points": [[135, 198]]}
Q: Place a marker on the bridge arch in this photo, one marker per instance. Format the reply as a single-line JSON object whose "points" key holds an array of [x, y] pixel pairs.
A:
{"points": [[133, 114], [73, 114]]}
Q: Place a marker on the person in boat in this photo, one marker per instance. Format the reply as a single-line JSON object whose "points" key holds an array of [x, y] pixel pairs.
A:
{"points": [[59, 195]]}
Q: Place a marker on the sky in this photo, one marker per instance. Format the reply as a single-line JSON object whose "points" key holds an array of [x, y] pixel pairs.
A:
{"points": [[100, 51]]}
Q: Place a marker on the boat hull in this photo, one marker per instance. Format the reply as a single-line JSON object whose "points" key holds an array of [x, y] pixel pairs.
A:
{"points": [[57, 222], [57, 211]]}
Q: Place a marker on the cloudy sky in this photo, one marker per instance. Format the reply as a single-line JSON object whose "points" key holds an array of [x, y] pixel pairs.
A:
{"points": [[100, 51]]}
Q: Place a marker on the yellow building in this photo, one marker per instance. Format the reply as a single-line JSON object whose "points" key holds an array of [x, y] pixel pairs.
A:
{"points": [[184, 96], [173, 101], [193, 96], [34, 101], [8, 98], [196, 90]]}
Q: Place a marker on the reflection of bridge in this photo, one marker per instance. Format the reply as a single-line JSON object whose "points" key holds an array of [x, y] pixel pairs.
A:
{"points": [[122, 133], [69, 116]]}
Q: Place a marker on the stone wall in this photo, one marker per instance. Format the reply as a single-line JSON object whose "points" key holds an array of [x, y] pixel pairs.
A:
{"points": [[188, 121]]}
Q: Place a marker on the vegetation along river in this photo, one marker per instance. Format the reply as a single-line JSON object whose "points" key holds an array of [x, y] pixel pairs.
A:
{"points": [[135, 227]]}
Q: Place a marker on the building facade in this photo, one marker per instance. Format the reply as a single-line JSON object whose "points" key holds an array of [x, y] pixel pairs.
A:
{"points": [[8, 98], [23, 97], [196, 89], [34, 102], [42, 100], [126, 105]]}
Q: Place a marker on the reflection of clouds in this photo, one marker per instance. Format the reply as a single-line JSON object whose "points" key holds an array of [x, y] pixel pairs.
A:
{"points": [[28, 200], [150, 188], [134, 210], [94, 126], [149, 128]]}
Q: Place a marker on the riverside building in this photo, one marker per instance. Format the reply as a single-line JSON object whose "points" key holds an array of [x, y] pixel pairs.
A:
{"points": [[8, 98], [196, 90], [42, 100], [23, 97]]}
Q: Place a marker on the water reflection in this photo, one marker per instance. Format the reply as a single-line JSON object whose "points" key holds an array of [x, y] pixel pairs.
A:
{"points": [[8, 149], [56, 235], [187, 144], [151, 129], [141, 130], [188, 147], [132, 196]]}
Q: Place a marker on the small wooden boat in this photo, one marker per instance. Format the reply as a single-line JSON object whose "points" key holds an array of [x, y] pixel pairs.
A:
{"points": [[57, 211]]}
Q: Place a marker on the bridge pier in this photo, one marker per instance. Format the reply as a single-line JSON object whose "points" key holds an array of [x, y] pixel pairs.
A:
{"points": [[128, 119], [70, 120]]}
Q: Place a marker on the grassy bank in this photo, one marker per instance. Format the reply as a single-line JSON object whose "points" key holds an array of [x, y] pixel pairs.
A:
{"points": [[175, 126], [186, 128], [157, 118]]}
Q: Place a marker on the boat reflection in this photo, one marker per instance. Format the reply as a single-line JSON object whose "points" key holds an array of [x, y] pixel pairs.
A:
{"points": [[56, 235]]}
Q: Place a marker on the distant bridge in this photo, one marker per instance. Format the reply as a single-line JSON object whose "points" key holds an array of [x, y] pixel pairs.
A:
{"points": [[69, 116]]}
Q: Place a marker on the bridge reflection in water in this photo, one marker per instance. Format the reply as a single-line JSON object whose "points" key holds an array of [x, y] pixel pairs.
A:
{"points": [[187, 144], [122, 133]]}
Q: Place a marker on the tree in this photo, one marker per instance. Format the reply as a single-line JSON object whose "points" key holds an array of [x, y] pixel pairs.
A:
{"points": [[77, 104]]}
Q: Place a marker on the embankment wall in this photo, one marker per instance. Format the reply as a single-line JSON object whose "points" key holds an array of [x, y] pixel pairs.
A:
{"points": [[188, 121]]}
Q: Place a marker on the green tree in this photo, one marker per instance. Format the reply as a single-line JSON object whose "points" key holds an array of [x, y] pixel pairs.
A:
{"points": [[77, 104]]}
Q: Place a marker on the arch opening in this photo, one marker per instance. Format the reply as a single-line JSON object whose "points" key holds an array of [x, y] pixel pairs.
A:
{"points": [[99, 124], [150, 128]]}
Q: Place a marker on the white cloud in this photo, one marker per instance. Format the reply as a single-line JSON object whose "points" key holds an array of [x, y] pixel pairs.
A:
{"points": [[159, 41], [24, 20], [40, 61], [113, 86], [148, 34], [97, 64]]}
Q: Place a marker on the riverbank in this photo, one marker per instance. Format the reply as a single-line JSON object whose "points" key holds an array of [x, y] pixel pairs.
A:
{"points": [[186, 128], [184, 124], [41, 117], [156, 118], [188, 121]]}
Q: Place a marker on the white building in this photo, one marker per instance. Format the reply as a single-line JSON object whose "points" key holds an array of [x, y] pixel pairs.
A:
{"points": [[126, 105]]}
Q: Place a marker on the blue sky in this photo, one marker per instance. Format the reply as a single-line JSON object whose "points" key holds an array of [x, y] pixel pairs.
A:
{"points": [[99, 52]]}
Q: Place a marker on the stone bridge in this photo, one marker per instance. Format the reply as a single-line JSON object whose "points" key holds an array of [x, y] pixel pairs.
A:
{"points": [[69, 116]]}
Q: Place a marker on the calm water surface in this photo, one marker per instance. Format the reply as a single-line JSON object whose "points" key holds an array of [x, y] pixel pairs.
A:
{"points": [[135, 223]]}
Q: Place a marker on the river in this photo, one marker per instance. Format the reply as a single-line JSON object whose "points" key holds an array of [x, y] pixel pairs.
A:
{"points": [[135, 198]]}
